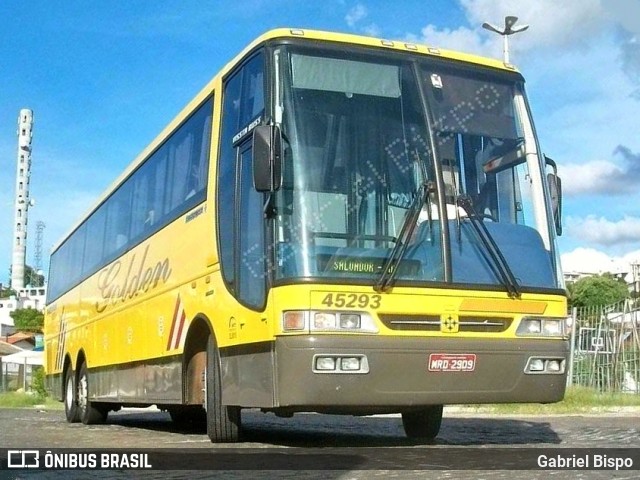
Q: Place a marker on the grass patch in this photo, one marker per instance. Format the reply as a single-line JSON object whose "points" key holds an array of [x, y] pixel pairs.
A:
{"points": [[576, 400], [25, 400]]}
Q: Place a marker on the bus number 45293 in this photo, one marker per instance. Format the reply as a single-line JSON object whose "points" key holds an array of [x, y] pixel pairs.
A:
{"points": [[351, 300]]}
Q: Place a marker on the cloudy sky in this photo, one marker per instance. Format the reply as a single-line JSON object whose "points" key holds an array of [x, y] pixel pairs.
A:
{"points": [[103, 78]]}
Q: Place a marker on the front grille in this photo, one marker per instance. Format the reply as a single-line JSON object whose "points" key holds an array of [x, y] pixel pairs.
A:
{"points": [[423, 323], [431, 323], [484, 324]]}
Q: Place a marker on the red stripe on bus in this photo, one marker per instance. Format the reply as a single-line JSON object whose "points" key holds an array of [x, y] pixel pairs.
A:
{"points": [[173, 322], [181, 325]]}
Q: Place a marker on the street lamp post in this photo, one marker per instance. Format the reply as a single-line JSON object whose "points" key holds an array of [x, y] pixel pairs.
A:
{"points": [[509, 29]]}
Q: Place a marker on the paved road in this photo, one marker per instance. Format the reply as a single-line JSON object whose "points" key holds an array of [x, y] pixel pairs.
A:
{"points": [[364, 441]]}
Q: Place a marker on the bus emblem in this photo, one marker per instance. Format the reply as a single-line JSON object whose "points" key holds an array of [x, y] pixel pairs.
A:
{"points": [[449, 323]]}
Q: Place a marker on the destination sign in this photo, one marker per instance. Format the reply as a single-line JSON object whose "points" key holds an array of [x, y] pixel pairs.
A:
{"points": [[366, 265]]}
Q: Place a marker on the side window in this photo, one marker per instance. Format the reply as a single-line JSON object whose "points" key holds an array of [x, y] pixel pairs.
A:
{"points": [[252, 90], [243, 101], [118, 208], [95, 242], [142, 199], [187, 154], [227, 177], [251, 242], [71, 253]]}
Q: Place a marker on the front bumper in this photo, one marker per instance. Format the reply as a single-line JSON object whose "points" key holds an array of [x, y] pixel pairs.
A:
{"points": [[398, 374]]}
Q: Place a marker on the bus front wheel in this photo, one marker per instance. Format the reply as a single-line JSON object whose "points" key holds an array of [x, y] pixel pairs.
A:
{"points": [[423, 423], [223, 422]]}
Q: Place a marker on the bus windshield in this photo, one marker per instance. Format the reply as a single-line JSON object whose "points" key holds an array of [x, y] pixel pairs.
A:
{"points": [[359, 145]]}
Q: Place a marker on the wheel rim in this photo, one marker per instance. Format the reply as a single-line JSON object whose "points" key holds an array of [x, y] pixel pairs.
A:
{"points": [[204, 389], [68, 397], [82, 393]]}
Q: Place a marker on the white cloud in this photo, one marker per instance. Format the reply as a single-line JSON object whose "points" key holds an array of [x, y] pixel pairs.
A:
{"points": [[355, 17], [588, 178], [599, 230], [603, 177], [592, 261], [463, 39], [373, 30], [356, 14]]}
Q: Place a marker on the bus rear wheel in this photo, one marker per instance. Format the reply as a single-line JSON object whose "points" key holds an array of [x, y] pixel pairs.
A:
{"points": [[89, 412], [423, 423], [70, 397], [223, 422]]}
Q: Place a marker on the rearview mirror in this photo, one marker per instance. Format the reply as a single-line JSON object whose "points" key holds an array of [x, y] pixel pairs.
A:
{"points": [[503, 154], [267, 158]]}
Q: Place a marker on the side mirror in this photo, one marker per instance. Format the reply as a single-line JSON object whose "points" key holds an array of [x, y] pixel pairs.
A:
{"points": [[267, 158], [555, 191]]}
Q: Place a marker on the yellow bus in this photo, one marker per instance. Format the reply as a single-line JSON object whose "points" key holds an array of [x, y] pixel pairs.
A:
{"points": [[334, 224]]}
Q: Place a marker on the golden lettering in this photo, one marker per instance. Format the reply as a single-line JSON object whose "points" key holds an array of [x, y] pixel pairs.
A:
{"points": [[114, 290]]}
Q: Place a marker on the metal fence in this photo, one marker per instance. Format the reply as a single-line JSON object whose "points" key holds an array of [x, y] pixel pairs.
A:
{"points": [[14, 376], [605, 348]]}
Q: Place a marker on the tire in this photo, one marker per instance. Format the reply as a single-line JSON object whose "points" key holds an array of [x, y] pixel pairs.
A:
{"points": [[423, 423], [88, 411], [223, 422], [71, 397]]}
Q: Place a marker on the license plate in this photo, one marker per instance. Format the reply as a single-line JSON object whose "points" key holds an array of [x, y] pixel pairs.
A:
{"points": [[452, 362]]}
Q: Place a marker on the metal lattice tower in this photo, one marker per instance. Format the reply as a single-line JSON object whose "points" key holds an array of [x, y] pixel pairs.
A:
{"points": [[22, 200]]}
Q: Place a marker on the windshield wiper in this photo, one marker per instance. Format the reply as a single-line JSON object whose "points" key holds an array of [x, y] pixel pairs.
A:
{"points": [[391, 264], [504, 271]]}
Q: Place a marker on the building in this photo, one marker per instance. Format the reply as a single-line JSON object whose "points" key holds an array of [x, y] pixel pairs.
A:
{"points": [[26, 298], [7, 305], [22, 340]]}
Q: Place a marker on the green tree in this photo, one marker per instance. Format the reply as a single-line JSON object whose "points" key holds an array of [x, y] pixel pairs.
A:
{"points": [[570, 286], [28, 319], [37, 382], [6, 292], [598, 290]]}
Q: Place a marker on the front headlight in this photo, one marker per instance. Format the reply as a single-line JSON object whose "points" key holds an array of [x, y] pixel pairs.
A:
{"points": [[322, 321], [542, 327]]}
